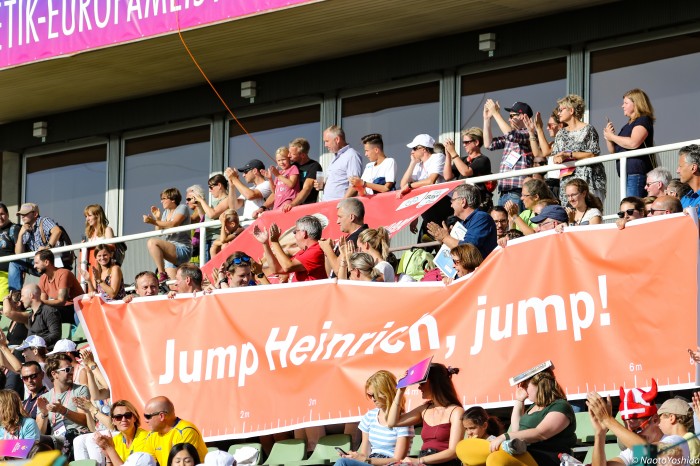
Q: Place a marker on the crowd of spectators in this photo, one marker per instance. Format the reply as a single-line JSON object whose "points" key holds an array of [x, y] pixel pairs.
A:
{"points": [[64, 396]]}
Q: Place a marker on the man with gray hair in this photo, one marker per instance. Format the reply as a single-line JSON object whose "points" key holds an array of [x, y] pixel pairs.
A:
{"points": [[689, 172], [307, 264], [188, 279], [351, 220], [481, 229], [345, 164], [657, 181]]}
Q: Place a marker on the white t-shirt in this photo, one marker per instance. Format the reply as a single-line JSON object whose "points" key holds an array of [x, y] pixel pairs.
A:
{"points": [[386, 170], [252, 205], [435, 164], [627, 457]]}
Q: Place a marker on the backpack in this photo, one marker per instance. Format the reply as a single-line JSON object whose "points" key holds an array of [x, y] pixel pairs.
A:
{"points": [[415, 263], [67, 257]]}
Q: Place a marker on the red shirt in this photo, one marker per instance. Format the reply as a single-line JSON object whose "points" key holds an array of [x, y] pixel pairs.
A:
{"points": [[314, 261]]}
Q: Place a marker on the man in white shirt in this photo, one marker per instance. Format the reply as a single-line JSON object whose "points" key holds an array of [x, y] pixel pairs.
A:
{"points": [[426, 168], [253, 197], [345, 164]]}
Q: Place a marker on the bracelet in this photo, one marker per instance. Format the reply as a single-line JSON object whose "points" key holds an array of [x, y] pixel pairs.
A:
{"points": [[44, 415], [507, 436], [93, 367]]}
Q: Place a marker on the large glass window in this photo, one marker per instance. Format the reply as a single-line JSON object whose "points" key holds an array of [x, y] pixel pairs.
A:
{"points": [[397, 114], [665, 69], [537, 84], [63, 183], [153, 163], [271, 131]]}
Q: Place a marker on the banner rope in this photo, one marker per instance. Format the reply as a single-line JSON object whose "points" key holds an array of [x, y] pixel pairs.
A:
{"points": [[218, 95]]}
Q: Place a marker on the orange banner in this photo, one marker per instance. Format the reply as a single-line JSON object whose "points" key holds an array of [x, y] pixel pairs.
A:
{"points": [[608, 307]]}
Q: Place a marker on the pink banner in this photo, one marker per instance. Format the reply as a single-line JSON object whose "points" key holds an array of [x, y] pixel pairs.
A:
{"points": [[35, 30]]}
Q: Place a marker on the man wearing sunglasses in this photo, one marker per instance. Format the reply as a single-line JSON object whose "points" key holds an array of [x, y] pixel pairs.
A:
{"points": [[641, 423], [57, 408], [32, 376], [167, 430], [252, 197]]}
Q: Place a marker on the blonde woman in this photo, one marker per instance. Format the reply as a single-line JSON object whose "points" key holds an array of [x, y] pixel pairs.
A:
{"points": [[218, 187], [96, 227], [578, 141], [359, 266], [381, 444], [637, 133], [375, 242]]}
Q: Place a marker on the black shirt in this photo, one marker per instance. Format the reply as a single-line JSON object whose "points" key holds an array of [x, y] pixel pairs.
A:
{"points": [[309, 170]]}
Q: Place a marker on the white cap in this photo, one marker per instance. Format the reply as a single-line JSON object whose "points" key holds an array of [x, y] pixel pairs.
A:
{"points": [[421, 140], [32, 341], [140, 459], [219, 458], [63, 346]]}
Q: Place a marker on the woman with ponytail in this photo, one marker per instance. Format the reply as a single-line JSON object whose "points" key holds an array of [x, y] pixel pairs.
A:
{"points": [[375, 242]]}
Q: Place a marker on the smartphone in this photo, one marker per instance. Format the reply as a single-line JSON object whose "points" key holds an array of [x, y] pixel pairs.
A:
{"points": [[341, 451]]}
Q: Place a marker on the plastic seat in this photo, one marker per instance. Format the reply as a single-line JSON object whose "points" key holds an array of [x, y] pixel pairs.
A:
{"points": [[611, 451], [79, 335], [416, 444], [584, 428], [212, 449], [234, 448], [83, 463], [325, 451], [65, 331], [286, 451]]}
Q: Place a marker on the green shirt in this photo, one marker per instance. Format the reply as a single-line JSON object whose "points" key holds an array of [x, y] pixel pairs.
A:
{"points": [[565, 440]]}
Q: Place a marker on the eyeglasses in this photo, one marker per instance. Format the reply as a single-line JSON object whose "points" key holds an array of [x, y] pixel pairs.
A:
{"points": [[468, 141], [371, 396], [27, 377], [572, 195], [514, 115], [629, 212], [561, 109], [456, 261], [525, 195], [211, 186], [653, 211], [67, 370], [547, 223], [239, 260], [128, 416], [637, 425], [189, 199], [149, 416]]}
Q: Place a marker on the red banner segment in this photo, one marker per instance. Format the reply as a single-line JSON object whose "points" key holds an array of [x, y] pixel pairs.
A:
{"points": [[384, 209], [246, 361]]}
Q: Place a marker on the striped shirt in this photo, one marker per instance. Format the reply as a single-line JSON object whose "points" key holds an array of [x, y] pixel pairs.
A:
{"points": [[382, 439]]}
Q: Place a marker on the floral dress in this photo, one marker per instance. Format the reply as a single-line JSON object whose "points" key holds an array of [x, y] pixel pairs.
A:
{"points": [[582, 140]]}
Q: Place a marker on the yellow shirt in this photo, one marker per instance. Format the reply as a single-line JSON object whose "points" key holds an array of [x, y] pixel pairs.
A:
{"points": [[139, 443], [182, 432], [693, 445]]}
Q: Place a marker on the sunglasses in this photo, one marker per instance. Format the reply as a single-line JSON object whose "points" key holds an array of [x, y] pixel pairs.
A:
{"points": [[467, 141], [118, 417], [211, 186], [33, 376], [189, 199], [67, 370], [149, 416], [239, 260], [628, 212]]}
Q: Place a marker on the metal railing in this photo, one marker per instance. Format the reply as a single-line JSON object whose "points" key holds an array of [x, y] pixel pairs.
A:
{"points": [[478, 179]]}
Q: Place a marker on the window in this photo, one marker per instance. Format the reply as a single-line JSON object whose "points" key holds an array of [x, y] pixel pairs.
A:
{"points": [[665, 69], [271, 131], [537, 84], [397, 114], [63, 183], [153, 163]]}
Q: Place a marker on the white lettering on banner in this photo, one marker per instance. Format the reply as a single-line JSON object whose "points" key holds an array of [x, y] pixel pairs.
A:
{"points": [[539, 307], [431, 197], [247, 364], [25, 23], [287, 351]]}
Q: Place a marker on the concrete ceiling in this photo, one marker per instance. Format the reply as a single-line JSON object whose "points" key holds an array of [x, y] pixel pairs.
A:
{"points": [[239, 48]]}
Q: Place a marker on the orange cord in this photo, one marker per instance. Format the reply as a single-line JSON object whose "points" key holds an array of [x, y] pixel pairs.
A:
{"points": [[213, 88]]}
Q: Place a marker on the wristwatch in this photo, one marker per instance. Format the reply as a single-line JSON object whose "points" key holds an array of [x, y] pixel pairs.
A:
{"points": [[93, 367], [260, 275]]}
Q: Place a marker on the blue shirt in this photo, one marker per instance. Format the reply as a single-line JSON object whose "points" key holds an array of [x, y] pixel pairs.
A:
{"points": [[382, 439], [346, 163], [481, 232], [28, 429], [692, 199]]}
